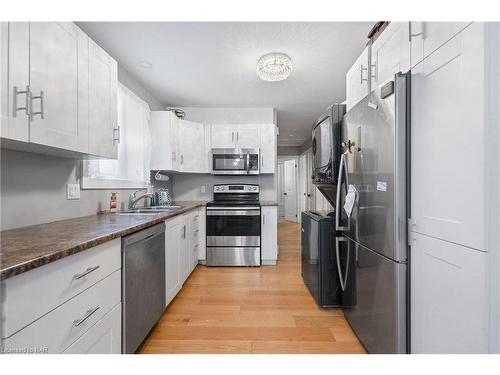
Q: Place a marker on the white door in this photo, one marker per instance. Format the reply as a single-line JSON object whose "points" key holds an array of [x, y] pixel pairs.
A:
{"points": [[223, 136], [357, 78], [449, 312], [448, 140], [290, 189], [102, 95], [281, 196], [311, 189], [390, 53], [191, 144], [57, 51], [303, 176], [268, 148], [248, 136], [173, 233], [14, 75]]}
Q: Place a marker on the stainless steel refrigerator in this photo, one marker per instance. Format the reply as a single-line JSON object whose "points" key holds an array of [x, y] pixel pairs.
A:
{"points": [[371, 215]]}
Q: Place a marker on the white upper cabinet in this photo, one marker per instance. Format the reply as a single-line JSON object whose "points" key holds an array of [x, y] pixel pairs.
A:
{"points": [[223, 136], [357, 79], [14, 65], [102, 106], [236, 136], [426, 37], [59, 87], [390, 53], [448, 140], [164, 141], [191, 147], [58, 51], [268, 150]]}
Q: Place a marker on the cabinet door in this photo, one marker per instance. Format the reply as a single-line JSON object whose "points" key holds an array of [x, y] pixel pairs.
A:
{"points": [[57, 52], [269, 225], [14, 75], [191, 143], [448, 138], [357, 86], [163, 141], [390, 53], [105, 337], [172, 257], [184, 250], [268, 148], [223, 136], [248, 136], [426, 37], [103, 110], [202, 250], [448, 302]]}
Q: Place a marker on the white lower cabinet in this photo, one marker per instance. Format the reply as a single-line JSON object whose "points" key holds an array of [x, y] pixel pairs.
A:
{"points": [[60, 328], [173, 233], [104, 337], [449, 312], [269, 235]]}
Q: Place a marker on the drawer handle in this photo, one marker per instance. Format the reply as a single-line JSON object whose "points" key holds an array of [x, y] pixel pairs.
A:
{"points": [[88, 314], [85, 273]]}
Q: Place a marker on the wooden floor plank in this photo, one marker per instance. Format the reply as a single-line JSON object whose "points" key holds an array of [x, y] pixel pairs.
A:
{"points": [[252, 310]]}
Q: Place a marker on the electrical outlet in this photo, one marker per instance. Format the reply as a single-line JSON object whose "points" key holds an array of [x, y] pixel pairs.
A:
{"points": [[72, 191], [203, 188]]}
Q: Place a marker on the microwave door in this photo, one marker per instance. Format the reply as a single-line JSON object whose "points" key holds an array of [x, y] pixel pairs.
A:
{"points": [[227, 163]]}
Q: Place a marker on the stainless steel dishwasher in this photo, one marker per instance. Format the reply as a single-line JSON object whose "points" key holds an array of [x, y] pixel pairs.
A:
{"points": [[143, 284]]}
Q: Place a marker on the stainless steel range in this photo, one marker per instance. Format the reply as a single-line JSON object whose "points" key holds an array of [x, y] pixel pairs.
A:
{"points": [[233, 226]]}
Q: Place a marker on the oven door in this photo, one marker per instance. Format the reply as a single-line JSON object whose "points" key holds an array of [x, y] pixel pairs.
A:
{"points": [[233, 226], [235, 161]]}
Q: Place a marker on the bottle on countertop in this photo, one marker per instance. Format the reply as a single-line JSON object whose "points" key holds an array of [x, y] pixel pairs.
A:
{"points": [[113, 202]]}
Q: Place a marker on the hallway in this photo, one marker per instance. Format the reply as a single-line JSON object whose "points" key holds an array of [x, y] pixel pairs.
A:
{"points": [[252, 310]]}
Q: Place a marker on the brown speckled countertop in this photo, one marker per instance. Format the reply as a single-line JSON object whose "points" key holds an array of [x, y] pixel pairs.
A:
{"points": [[26, 248]]}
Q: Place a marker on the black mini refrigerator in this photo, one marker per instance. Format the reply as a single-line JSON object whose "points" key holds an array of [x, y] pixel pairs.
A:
{"points": [[320, 268]]}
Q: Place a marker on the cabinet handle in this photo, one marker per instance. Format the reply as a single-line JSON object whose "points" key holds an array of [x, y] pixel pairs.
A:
{"points": [[173, 156], [262, 160], [85, 273], [26, 107], [232, 136], [87, 315], [237, 136], [264, 219], [361, 79], [182, 158], [116, 135], [41, 112]]}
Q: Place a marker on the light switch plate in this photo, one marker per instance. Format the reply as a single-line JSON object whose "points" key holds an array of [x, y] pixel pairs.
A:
{"points": [[72, 191]]}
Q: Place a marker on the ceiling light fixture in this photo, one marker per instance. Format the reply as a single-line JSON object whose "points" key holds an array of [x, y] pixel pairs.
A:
{"points": [[274, 67], [145, 64]]}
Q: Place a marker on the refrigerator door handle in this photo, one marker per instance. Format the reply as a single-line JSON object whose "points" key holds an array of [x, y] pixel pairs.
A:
{"points": [[343, 280], [342, 168]]}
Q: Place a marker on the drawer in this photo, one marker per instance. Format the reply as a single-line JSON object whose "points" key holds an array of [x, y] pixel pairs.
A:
{"points": [[32, 294], [104, 337], [60, 328]]}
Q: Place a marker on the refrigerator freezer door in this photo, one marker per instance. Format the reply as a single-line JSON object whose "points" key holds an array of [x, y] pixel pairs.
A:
{"points": [[374, 142], [379, 315]]}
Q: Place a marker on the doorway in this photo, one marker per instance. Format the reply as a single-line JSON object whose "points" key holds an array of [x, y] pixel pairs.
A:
{"points": [[288, 204]]}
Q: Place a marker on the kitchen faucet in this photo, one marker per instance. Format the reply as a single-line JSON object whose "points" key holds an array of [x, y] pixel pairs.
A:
{"points": [[132, 199]]}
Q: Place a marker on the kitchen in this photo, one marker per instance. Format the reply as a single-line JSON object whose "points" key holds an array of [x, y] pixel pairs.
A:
{"points": [[141, 187]]}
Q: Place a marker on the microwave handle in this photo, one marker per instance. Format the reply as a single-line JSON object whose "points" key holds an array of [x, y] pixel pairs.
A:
{"points": [[248, 163]]}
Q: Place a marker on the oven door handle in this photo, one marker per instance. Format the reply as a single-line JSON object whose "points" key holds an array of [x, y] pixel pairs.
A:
{"points": [[234, 213], [226, 208]]}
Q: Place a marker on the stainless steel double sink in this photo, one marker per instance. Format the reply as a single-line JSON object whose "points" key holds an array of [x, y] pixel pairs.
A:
{"points": [[154, 210]]}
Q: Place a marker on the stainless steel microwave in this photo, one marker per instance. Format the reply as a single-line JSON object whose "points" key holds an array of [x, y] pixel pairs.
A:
{"points": [[235, 161]]}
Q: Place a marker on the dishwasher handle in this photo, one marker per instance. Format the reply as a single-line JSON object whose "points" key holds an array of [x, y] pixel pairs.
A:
{"points": [[143, 235]]}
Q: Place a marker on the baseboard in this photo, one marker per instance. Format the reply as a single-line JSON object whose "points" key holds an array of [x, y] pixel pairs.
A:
{"points": [[268, 262]]}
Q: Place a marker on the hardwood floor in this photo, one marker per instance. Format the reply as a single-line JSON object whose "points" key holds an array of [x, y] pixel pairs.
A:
{"points": [[252, 310]]}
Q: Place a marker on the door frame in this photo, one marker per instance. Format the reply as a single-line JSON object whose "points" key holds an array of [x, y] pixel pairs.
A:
{"points": [[296, 158]]}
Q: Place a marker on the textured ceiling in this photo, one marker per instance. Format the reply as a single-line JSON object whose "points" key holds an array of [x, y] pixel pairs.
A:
{"points": [[211, 64]]}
